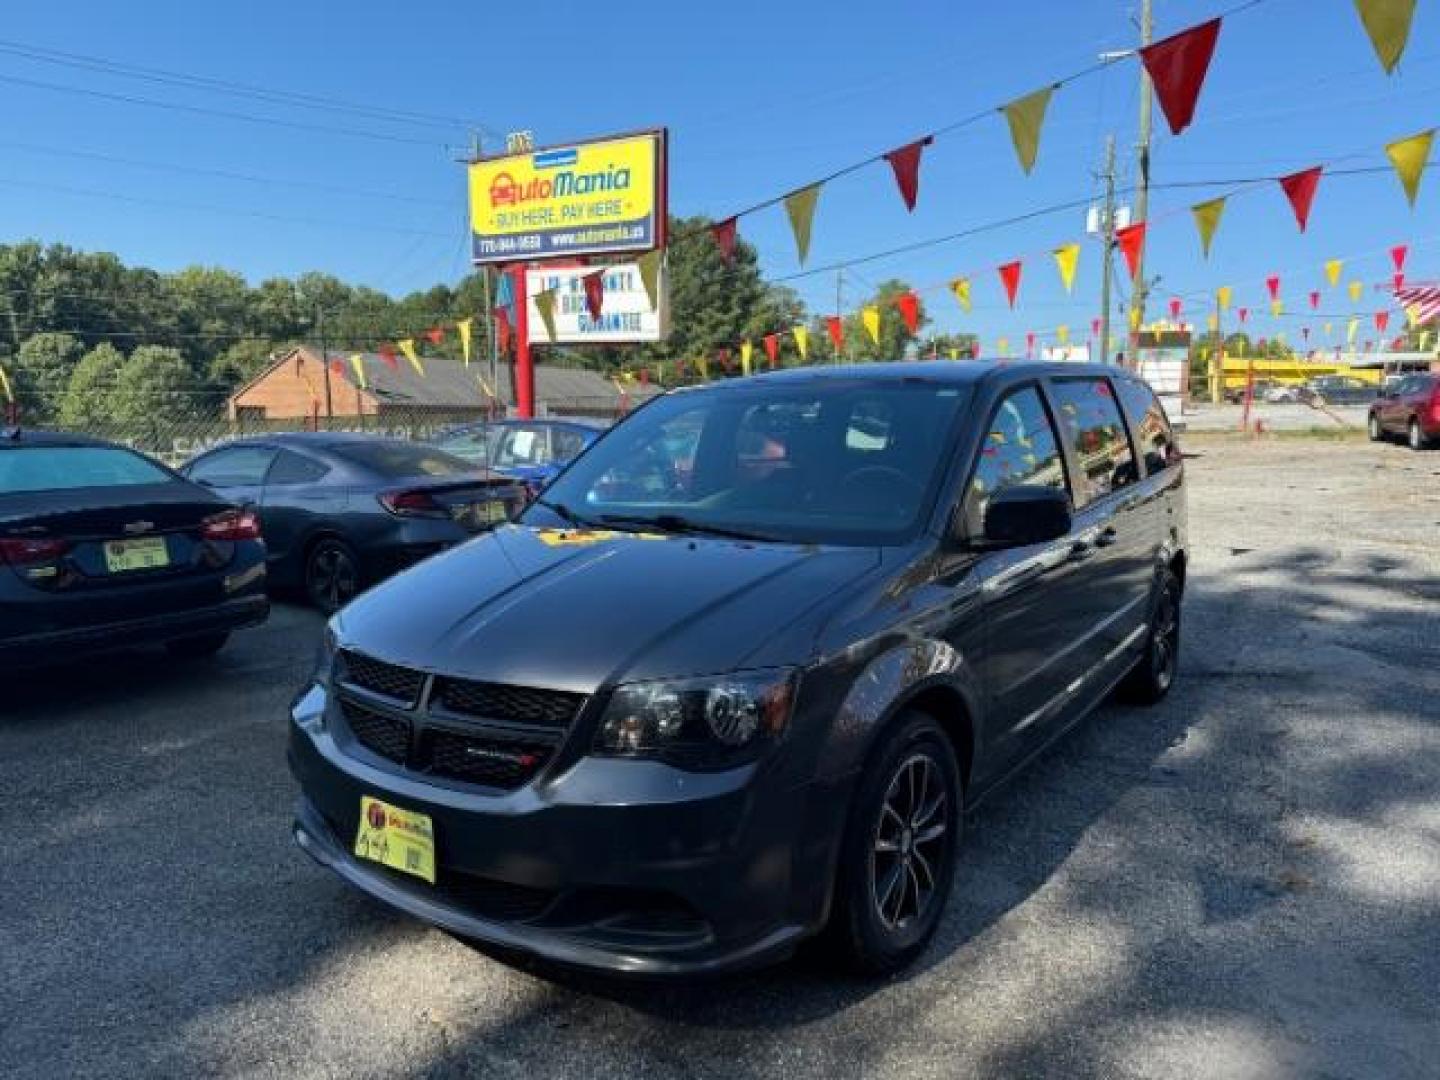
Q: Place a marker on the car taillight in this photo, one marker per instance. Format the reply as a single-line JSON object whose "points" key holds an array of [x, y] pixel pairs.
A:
{"points": [[231, 525], [411, 504], [28, 550], [1435, 403]]}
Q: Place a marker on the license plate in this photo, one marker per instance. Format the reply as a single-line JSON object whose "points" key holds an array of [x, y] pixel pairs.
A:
{"points": [[146, 553], [400, 839], [479, 515]]}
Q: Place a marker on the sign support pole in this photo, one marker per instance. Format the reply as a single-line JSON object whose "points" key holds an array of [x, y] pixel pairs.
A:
{"points": [[524, 363]]}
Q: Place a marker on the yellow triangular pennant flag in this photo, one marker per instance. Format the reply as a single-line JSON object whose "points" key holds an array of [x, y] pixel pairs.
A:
{"points": [[1002, 346], [1222, 297], [407, 346], [1357, 290], [1134, 318], [1277, 308], [802, 341], [1333, 270], [464, 326], [870, 316], [1388, 24], [800, 206], [1412, 315], [484, 386], [357, 364], [961, 288], [1425, 340], [1026, 116], [745, 350], [1212, 321], [649, 264], [1062, 335], [1066, 259], [1409, 156], [545, 305], [954, 354], [5, 385], [1351, 331], [703, 366], [1207, 220]]}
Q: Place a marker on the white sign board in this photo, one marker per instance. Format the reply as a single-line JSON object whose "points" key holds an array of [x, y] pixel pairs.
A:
{"points": [[1165, 370], [625, 314]]}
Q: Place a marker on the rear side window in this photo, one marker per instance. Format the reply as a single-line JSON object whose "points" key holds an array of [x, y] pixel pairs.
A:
{"points": [[398, 459], [566, 444], [236, 467], [522, 446], [294, 469], [63, 468], [1091, 425], [1153, 437], [1019, 449]]}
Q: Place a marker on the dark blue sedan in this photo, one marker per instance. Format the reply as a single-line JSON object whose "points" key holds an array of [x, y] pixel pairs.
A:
{"points": [[342, 511], [530, 450], [103, 548]]}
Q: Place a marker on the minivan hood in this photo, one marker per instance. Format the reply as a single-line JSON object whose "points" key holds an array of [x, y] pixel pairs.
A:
{"points": [[573, 609]]}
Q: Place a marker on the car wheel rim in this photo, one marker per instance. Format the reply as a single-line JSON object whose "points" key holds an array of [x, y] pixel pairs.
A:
{"points": [[1374, 428], [1414, 435], [332, 577], [908, 847], [1165, 638]]}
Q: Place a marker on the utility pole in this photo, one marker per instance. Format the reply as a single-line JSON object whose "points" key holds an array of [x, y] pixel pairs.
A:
{"points": [[839, 288], [325, 361], [1107, 238], [1142, 185]]}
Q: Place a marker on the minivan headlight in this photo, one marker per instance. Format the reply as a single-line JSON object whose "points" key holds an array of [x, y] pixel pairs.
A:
{"points": [[709, 723]]}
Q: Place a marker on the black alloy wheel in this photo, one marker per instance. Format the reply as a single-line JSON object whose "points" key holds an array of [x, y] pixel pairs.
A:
{"points": [[897, 860], [332, 575], [1150, 679]]}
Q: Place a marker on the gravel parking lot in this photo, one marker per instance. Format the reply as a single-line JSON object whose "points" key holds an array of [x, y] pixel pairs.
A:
{"points": [[1242, 882]]}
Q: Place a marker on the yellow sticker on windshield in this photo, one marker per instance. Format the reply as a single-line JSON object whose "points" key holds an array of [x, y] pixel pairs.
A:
{"points": [[572, 537]]}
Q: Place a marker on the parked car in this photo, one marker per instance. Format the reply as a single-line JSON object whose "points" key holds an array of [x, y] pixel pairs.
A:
{"points": [[101, 547], [529, 450], [686, 712], [1410, 408], [1281, 394], [1235, 395], [341, 511], [1338, 390]]}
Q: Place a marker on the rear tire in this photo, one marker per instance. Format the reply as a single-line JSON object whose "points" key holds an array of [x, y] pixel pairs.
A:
{"points": [[197, 648], [332, 574], [897, 860], [1373, 427], [1150, 680]]}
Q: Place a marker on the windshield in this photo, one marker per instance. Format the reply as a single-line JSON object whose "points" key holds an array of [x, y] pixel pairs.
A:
{"points": [[58, 468], [824, 461], [398, 459]]}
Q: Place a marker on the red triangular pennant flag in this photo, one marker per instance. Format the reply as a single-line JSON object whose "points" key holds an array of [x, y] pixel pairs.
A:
{"points": [[1300, 190], [836, 330], [387, 353], [1273, 284], [644, 376], [723, 355], [772, 348], [338, 367], [1397, 255], [502, 330], [436, 334], [906, 163], [594, 284], [1131, 241], [1314, 301], [909, 305], [1244, 313], [1382, 320], [1030, 343], [1398, 281], [1177, 66], [1094, 327], [1010, 278], [1176, 306], [724, 234]]}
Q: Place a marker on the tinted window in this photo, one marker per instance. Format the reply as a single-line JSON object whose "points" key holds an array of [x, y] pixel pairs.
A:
{"points": [[1147, 419], [58, 468], [240, 465], [1020, 448], [294, 469], [475, 445], [1091, 425], [566, 444], [402, 459], [844, 461], [522, 446]]}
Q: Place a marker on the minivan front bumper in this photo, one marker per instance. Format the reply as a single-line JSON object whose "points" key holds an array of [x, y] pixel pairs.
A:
{"points": [[625, 867]]}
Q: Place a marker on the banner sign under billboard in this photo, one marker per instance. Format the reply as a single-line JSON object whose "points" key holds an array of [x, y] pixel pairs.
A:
{"points": [[626, 315], [588, 198]]}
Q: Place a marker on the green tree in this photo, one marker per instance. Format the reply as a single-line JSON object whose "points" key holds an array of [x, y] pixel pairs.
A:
{"points": [[158, 394], [895, 336], [42, 371], [941, 346], [239, 363], [89, 397]]}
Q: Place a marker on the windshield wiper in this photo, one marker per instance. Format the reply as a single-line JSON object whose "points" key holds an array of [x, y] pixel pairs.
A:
{"points": [[570, 517], [675, 523]]}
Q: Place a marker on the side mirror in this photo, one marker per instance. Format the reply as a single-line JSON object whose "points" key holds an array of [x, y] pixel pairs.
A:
{"points": [[1023, 515]]}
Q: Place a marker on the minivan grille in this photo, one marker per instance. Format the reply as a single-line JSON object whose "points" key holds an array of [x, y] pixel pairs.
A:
{"points": [[490, 734]]}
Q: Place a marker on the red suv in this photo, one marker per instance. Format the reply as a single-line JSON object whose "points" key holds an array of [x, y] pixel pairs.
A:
{"points": [[1411, 408]]}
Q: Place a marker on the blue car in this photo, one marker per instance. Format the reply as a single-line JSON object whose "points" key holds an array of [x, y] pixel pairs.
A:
{"points": [[530, 450]]}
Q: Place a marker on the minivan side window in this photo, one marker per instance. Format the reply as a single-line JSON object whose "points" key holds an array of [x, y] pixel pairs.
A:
{"points": [[1147, 418], [1020, 448], [1092, 426]]}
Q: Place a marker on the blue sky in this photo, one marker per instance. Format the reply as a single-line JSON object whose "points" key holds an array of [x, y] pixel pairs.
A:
{"points": [[759, 97]]}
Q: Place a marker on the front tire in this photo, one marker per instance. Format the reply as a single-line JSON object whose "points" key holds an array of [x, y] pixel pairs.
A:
{"points": [[1415, 437], [332, 574], [1373, 427], [897, 860], [1150, 680]]}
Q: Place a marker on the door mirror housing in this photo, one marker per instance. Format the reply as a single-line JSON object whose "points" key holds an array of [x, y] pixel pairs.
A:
{"points": [[1023, 515]]}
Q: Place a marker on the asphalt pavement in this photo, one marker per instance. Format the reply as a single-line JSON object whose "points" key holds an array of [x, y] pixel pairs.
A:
{"points": [[1244, 881]]}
